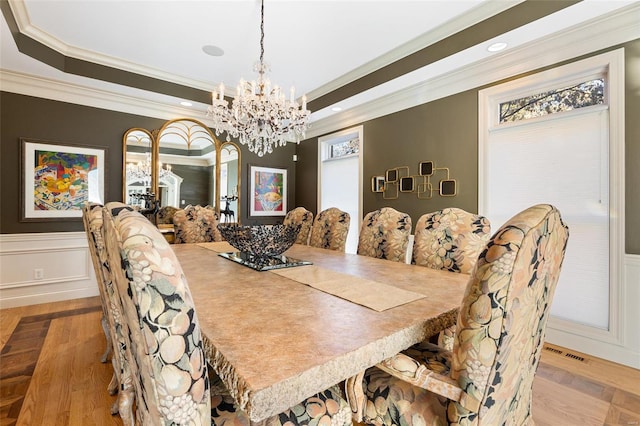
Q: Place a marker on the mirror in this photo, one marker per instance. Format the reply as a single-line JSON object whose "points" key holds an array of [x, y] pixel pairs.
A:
{"points": [[229, 183], [137, 167], [186, 153]]}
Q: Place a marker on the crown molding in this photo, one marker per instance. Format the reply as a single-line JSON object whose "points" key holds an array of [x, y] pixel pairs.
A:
{"points": [[478, 14], [25, 26], [616, 28], [30, 85]]}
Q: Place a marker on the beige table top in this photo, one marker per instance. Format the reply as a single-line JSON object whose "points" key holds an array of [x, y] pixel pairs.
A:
{"points": [[275, 341]]}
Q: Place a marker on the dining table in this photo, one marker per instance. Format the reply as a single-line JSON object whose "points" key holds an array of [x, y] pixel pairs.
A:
{"points": [[279, 336]]}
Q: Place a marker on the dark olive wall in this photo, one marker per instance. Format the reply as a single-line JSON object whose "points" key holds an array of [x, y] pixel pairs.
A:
{"points": [[632, 147], [37, 118], [443, 131], [446, 131], [438, 131]]}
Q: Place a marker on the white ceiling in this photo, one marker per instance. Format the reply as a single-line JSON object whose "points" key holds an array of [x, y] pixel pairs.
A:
{"points": [[316, 45]]}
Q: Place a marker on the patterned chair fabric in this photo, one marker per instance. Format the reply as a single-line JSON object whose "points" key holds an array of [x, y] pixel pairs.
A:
{"points": [[165, 214], [174, 385], [450, 239], [384, 234], [330, 229], [304, 218], [96, 242], [196, 224], [487, 378], [121, 381]]}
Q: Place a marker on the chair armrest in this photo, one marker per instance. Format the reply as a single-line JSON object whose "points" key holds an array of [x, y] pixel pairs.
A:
{"points": [[355, 396], [411, 371]]}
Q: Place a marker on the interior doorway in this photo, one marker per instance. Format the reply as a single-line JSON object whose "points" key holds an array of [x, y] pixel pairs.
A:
{"points": [[340, 177]]}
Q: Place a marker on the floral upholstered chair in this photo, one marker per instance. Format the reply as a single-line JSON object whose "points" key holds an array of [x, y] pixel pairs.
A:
{"points": [[165, 214], [196, 224], [304, 218], [330, 229], [450, 239], [173, 383], [121, 380], [487, 379], [384, 234], [96, 243]]}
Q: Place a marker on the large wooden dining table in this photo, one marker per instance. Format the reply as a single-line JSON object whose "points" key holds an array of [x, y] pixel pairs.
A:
{"points": [[275, 341]]}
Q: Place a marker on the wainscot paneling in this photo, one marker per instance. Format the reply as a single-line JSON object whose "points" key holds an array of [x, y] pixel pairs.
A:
{"points": [[67, 273], [44, 267], [621, 342]]}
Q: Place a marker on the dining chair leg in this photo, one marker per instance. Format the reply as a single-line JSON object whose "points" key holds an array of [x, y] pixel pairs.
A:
{"points": [[107, 334], [113, 384], [125, 406]]}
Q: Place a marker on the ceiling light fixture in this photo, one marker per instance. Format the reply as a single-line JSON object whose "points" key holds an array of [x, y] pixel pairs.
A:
{"points": [[496, 47], [185, 103], [260, 116], [336, 109]]}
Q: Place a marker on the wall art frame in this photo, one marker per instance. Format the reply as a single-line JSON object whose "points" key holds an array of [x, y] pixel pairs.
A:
{"points": [[267, 191], [57, 179]]}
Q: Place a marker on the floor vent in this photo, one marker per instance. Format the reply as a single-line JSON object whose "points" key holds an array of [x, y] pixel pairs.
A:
{"points": [[554, 350], [574, 356]]}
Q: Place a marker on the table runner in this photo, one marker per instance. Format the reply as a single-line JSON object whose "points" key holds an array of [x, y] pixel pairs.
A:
{"points": [[371, 294]]}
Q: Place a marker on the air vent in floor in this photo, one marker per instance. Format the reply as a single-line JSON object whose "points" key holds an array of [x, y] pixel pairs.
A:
{"points": [[574, 356]]}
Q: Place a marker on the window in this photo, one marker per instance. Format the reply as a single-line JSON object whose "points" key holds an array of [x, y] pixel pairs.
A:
{"points": [[580, 95], [342, 149]]}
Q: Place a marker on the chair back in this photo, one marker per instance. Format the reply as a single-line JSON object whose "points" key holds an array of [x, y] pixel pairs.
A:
{"points": [[165, 214], [384, 234], [304, 218], [450, 239], [196, 224], [502, 319], [165, 352], [330, 229], [92, 221]]}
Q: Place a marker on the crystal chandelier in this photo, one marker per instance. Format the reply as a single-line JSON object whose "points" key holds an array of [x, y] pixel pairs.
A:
{"points": [[260, 115], [141, 171]]}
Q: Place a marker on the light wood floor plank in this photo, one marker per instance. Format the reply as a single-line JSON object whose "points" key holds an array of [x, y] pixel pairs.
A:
{"points": [[68, 385], [555, 404]]}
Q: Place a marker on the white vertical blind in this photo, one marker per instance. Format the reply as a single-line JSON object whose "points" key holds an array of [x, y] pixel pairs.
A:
{"points": [[561, 160]]}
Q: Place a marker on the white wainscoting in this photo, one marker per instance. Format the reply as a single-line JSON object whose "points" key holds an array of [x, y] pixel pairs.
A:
{"points": [[621, 342], [62, 257], [68, 274]]}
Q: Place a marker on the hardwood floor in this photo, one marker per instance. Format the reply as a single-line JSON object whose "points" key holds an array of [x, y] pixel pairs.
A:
{"points": [[51, 374]]}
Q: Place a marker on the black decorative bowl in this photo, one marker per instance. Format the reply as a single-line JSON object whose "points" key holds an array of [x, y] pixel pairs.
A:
{"points": [[261, 241]]}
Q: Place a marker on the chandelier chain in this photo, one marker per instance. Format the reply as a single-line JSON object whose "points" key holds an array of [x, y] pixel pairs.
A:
{"points": [[261, 34], [259, 116]]}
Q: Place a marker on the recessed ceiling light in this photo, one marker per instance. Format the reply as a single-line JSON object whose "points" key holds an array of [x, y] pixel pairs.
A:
{"points": [[336, 109], [496, 47], [185, 103], [212, 50]]}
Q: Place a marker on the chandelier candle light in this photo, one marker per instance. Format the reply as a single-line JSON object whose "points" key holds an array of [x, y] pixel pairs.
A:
{"points": [[260, 115]]}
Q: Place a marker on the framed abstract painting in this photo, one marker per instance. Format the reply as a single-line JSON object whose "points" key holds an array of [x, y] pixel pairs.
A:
{"points": [[58, 179], [267, 191]]}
